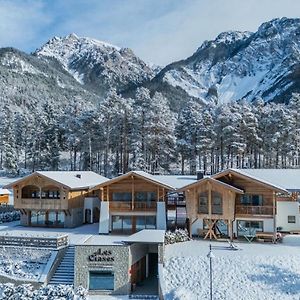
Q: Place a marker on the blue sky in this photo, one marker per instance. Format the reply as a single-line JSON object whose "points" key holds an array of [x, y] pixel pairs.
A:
{"points": [[159, 31]]}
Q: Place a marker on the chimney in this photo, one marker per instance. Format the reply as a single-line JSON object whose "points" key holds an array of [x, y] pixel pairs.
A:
{"points": [[200, 175], [78, 176]]}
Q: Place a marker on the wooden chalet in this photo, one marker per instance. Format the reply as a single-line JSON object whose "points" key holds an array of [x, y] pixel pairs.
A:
{"points": [[53, 199], [132, 202], [231, 203]]}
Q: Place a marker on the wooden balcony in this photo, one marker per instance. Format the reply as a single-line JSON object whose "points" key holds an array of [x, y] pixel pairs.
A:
{"points": [[249, 210], [41, 204], [129, 206]]}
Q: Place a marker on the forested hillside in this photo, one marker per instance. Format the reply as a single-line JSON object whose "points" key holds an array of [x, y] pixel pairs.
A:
{"points": [[143, 133], [82, 104]]}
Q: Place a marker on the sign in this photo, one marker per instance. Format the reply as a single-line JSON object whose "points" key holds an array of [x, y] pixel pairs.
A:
{"points": [[105, 256]]}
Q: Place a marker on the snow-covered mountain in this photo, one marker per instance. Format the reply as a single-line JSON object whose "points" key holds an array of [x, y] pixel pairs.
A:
{"points": [[235, 65], [27, 82], [241, 65], [97, 65]]}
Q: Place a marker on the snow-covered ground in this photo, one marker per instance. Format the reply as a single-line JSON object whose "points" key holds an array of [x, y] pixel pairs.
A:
{"points": [[23, 263], [256, 271]]}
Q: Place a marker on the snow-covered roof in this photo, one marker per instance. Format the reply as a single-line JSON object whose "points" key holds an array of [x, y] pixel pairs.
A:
{"points": [[4, 192], [218, 182], [176, 181], [171, 182], [288, 179], [71, 179], [149, 236]]}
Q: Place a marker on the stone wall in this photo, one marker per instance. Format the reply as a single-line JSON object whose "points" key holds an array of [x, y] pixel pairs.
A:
{"points": [[120, 266]]}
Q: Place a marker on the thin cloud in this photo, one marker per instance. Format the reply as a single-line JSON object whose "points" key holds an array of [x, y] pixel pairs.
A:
{"points": [[158, 31]]}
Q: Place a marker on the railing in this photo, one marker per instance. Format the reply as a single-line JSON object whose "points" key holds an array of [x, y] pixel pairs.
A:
{"points": [[37, 203], [25, 240], [253, 210], [128, 206]]}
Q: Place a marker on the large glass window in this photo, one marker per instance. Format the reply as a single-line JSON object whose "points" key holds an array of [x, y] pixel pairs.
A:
{"points": [[150, 222], [101, 280], [217, 203], [117, 223], [38, 218], [127, 223], [249, 228], [252, 199], [126, 196], [203, 203], [140, 223], [145, 196]]}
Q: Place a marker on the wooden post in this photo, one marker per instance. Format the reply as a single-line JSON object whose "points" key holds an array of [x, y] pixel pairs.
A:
{"points": [[132, 192], [209, 210], [107, 193], [230, 233], [158, 194], [102, 194], [274, 217]]}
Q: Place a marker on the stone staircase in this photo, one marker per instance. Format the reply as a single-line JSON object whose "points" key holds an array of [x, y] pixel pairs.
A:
{"points": [[64, 273]]}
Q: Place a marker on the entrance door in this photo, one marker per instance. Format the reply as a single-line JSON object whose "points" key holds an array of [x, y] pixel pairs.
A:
{"points": [[153, 264], [87, 215]]}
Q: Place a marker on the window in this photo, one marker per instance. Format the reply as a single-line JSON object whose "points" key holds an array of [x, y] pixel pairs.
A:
{"points": [[292, 219], [217, 203], [150, 222], [145, 196], [126, 196], [203, 203], [249, 227], [101, 280], [129, 223], [38, 217], [251, 199]]}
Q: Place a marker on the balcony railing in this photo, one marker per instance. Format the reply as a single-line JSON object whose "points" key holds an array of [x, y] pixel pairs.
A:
{"points": [[254, 210], [129, 206], [37, 203]]}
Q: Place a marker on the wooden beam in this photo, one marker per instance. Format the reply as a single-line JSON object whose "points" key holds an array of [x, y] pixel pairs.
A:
{"points": [[132, 192]]}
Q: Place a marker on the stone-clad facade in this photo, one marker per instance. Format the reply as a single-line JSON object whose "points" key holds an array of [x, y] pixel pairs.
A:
{"points": [[117, 261]]}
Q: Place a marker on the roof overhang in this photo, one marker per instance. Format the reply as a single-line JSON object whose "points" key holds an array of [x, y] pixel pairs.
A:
{"points": [[213, 181], [133, 173], [235, 172]]}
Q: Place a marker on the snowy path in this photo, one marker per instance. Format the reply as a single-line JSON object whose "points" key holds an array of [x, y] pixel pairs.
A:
{"points": [[258, 271]]}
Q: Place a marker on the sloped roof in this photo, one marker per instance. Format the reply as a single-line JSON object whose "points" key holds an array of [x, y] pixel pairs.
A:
{"points": [[288, 179], [274, 178], [4, 192], [71, 179], [176, 181], [171, 182], [140, 174], [218, 182]]}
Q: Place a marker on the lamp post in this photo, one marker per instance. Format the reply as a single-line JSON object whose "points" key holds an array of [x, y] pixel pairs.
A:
{"points": [[210, 256]]}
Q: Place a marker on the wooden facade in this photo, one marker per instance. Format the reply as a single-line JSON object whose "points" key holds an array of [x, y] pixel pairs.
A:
{"points": [[131, 197], [243, 198], [205, 190], [41, 196]]}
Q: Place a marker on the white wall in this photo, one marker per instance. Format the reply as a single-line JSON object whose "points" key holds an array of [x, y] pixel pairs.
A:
{"points": [[161, 218], [104, 218], [285, 209]]}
